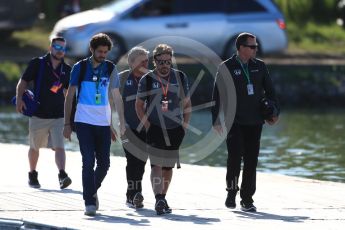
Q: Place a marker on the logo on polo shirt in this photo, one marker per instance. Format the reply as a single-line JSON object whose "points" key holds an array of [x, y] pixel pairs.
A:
{"points": [[104, 81], [237, 72], [155, 85], [129, 82]]}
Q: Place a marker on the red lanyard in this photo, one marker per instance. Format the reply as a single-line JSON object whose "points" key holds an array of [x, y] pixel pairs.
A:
{"points": [[165, 90], [54, 73]]}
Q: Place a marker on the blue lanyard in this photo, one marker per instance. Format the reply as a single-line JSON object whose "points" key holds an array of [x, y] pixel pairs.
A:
{"points": [[97, 73]]}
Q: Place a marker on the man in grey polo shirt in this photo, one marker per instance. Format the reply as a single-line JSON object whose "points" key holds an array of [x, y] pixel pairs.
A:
{"points": [[163, 106]]}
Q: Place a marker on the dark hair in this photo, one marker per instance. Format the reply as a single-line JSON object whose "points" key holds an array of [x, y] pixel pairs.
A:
{"points": [[242, 39], [100, 39], [60, 39], [162, 49]]}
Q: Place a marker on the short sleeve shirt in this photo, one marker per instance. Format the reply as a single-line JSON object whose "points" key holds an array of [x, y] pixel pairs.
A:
{"points": [[153, 94], [93, 103], [53, 81], [129, 85]]}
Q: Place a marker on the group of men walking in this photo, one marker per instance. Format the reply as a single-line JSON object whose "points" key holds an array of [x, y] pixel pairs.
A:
{"points": [[154, 110]]}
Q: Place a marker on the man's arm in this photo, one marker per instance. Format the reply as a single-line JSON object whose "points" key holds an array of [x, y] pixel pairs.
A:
{"points": [[270, 94], [67, 131], [21, 87], [187, 111], [216, 108], [117, 98], [64, 92], [140, 110]]}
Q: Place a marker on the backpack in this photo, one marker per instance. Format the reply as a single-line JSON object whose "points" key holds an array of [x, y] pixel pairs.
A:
{"points": [[83, 65]]}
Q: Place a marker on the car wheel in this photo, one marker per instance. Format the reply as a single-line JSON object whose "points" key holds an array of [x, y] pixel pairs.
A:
{"points": [[118, 48]]}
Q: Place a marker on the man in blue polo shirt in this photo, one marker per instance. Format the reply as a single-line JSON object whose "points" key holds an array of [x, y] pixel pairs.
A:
{"points": [[93, 116]]}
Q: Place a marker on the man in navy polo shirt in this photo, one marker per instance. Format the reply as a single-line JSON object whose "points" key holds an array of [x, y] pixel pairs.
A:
{"points": [[163, 105], [134, 141], [47, 121]]}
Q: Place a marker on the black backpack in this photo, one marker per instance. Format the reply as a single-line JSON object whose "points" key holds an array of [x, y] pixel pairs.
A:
{"points": [[83, 64]]}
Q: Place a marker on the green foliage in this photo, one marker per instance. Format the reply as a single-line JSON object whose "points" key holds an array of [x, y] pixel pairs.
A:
{"points": [[303, 11], [12, 71], [316, 38]]}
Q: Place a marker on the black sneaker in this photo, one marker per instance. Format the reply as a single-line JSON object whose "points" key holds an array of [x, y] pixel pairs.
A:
{"points": [[230, 201], [247, 207], [129, 202], [167, 209], [159, 206], [137, 200], [33, 181], [64, 180]]}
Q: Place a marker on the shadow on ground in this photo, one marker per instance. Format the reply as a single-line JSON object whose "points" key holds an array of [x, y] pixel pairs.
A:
{"points": [[270, 216]]}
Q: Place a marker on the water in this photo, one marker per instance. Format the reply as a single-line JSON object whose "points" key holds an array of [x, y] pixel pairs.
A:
{"points": [[304, 143]]}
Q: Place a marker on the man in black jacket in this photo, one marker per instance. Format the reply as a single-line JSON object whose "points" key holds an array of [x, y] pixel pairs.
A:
{"points": [[252, 84]]}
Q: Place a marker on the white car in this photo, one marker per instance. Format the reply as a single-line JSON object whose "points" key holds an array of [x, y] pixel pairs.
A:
{"points": [[214, 23]]}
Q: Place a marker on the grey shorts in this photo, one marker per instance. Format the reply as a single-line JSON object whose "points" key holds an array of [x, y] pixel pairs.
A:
{"points": [[46, 133]]}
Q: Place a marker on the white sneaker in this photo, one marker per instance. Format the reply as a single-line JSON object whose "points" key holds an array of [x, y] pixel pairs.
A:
{"points": [[90, 210]]}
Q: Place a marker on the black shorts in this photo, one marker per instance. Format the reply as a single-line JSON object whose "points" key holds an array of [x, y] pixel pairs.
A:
{"points": [[163, 145]]}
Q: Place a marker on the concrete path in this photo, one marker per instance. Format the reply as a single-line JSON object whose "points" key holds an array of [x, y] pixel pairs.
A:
{"points": [[196, 195]]}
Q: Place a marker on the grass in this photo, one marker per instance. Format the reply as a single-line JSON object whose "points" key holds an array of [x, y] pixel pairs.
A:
{"points": [[312, 38], [38, 37], [25, 44]]}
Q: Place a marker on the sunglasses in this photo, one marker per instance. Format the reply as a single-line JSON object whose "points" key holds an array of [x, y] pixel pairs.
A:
{"points": [[163, 62], [253, 47], [58, 47]]}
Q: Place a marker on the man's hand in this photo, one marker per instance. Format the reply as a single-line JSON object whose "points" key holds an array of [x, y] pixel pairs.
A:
{"points": [[113, 134], [273, 120], [122, 129], [147, 125], [67, 131], [218, 129], [185, 126], [20, 105]]}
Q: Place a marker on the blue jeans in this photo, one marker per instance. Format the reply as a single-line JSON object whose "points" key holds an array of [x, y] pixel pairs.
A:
{"points": [[94, 144]]}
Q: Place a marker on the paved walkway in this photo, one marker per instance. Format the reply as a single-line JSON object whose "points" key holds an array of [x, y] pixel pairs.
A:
{"points": [[196, 195]]}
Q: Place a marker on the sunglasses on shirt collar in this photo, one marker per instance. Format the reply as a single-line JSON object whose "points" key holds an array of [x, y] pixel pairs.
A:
{"points": [[58, 47]]}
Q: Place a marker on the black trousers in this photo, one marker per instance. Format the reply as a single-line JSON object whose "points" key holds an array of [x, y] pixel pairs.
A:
{"points": [[243, 142], [134, 145]]}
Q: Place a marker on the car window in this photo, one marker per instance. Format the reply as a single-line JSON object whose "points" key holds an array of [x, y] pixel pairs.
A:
{"points": [[241, 6], [197, 6], [119, 6], [154, 8]]}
